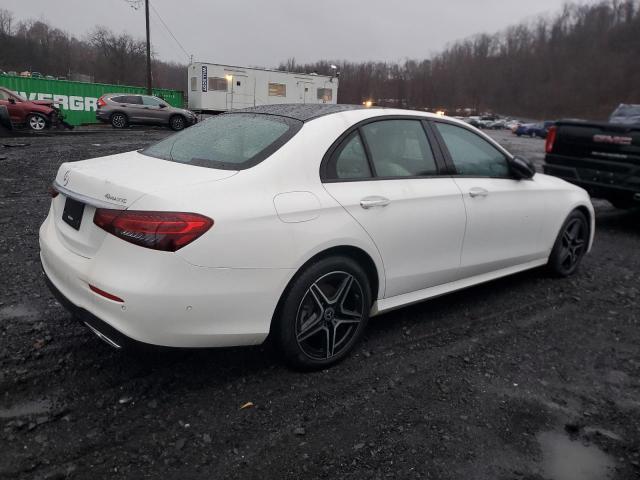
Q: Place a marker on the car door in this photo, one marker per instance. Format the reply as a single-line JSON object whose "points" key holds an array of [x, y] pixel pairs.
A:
{"points": [[134, 109], [153, 111], [387, 176], [16, 113], [504, 215]]}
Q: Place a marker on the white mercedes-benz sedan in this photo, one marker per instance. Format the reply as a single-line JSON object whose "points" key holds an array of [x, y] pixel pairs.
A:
{"points": [[298, 222]]}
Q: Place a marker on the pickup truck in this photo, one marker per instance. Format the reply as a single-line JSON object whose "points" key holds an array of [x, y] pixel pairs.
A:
{"points": [[603, 158]]}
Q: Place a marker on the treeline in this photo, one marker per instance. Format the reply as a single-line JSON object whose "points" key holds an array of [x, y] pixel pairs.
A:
{"points": [[34, 45], [579, 63]]}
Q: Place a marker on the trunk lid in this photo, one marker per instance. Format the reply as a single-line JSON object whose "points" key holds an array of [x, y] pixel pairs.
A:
{"points": [[115, 181]]}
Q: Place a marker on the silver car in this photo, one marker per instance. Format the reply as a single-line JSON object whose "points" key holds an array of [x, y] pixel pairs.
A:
{"points": [[124, 109]]}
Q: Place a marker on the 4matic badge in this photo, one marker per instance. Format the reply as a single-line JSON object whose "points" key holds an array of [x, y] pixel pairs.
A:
{"points": [[115, 199]]}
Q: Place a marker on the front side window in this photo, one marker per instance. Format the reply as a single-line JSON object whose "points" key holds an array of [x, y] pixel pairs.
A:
{"points": [[277, 90], [231, 141], [399, 148], [471, 154], [350, 160], [218, 84]]}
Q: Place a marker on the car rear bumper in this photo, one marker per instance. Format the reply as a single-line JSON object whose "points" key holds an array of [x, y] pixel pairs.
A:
{"points": [[167, 301]]}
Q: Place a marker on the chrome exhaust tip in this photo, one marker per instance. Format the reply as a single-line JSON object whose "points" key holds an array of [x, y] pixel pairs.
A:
{"points": [[103, 337]]}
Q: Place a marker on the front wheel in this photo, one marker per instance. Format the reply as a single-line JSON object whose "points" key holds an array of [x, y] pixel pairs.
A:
{"points": [[177, 122], [323, 314], [571, 245], [36, 122]]}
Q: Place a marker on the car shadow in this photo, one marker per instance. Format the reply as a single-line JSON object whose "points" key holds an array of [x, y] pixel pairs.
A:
{"points": [[623, 221]]}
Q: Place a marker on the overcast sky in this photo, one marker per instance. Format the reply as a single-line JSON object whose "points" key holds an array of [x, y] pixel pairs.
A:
{"points": [[266, 32]]}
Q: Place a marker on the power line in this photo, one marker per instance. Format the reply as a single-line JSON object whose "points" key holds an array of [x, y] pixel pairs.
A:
{"points": [[168, 29]]}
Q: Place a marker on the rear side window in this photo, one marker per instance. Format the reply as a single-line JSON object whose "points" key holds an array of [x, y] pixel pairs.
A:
{"points": [[233, 141], [133, 99], [350, 159], [471, 154], [399, 148]]}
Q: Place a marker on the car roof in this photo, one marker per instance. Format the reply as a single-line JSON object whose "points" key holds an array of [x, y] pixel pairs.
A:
{"points": [[302, 112]]}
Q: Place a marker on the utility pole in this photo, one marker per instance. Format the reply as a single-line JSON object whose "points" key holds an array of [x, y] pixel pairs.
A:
{"points": [[146, 12]]}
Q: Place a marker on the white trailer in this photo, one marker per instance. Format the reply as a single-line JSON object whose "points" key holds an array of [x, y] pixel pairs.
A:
{"points": [[220, 88]]}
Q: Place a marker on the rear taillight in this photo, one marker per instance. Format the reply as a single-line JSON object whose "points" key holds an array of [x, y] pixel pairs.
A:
{"points": [[168, 231], [551, 139], [52, 191], [101, 102]]}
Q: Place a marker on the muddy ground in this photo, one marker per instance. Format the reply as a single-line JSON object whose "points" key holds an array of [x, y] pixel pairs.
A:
{"points": [[527, 377]]}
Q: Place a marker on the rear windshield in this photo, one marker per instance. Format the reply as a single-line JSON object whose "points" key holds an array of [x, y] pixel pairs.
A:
{"points": [[232, 141]]}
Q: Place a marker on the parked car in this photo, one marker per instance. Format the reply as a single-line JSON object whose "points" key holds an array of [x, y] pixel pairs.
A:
{"points": [[603, 158], [12, 73], [36, 75], [25, 74], [301, 221], [626, 114], [534, 129], [37, 115], [124, 109]]}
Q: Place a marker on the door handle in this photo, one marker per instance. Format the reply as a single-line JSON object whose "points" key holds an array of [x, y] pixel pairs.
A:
{"points": [[374, 201], [478, 192]]}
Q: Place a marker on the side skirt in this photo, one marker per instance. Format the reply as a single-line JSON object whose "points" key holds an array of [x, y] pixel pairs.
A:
{"points": [[398, 301]]}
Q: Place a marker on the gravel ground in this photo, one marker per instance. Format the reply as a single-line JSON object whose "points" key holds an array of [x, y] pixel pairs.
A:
{"points": [[526, 377]]}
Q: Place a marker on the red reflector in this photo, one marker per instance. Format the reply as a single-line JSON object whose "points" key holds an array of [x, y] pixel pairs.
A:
{"points": [[52, 191], [105, 294], [168, 231], [551, 139]]}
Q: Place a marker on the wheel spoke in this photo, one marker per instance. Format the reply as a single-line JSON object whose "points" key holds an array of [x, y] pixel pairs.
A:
{"points": [[318, 296], [316, 326], [331, 340], [343, 291], [346, 321]]}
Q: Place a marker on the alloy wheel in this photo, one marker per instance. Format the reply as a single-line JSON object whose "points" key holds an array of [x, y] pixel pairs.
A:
{"points": [[177, 123], [329, 315], [36, 122], [573, 243], [118, 121]]}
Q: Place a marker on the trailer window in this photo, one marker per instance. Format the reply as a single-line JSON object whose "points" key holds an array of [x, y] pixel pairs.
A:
{"points": [[217, 83], [232, 141], [277, 90], [194, 84], [325, 94]]}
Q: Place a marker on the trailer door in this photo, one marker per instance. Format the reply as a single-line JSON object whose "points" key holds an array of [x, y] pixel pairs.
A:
{"points": [[306, 91]]}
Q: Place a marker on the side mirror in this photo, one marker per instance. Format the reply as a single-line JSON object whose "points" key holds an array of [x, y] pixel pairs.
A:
{"points": [[521, 167], [162, 105], [12, 101]]}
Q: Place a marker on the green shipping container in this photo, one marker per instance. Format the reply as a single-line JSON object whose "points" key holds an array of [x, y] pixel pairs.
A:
{"points": [[78, 100]]}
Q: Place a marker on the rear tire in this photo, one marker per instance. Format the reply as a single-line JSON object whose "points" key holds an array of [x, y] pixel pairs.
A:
{"points": [[570, 246], [177, 122], [323, 313], [36, 122], [119, 120]]}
